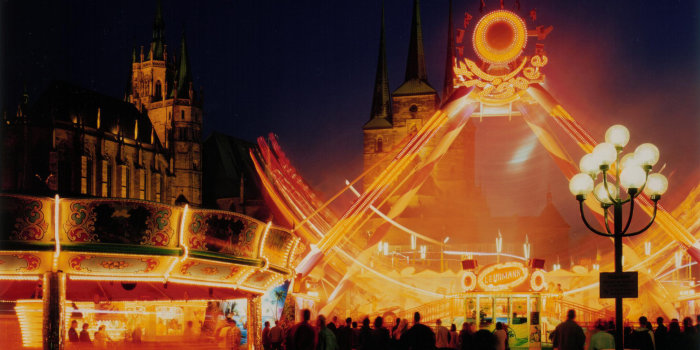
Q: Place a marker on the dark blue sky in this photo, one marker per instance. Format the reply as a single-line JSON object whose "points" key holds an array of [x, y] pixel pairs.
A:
{"points": [[305, 69]]}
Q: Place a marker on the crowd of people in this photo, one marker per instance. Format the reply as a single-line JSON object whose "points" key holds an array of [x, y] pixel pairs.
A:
{"points": [[337, 335], [568, 335]]}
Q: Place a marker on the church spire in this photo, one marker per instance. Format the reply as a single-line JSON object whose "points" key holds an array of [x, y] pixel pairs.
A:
{"points": [[184, 73], [380, 116], [448, 84], [415, 65], [158, 41], [416, 81]]}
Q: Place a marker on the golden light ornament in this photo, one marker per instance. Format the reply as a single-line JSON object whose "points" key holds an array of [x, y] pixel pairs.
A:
{"points": [[468, 281], [602, 194], [580, 184], [589, 165], [633, 176], [646, 154], [605, 153], [537, 281], [500, 37], [628, 160], [657, 185], [617, 135]]}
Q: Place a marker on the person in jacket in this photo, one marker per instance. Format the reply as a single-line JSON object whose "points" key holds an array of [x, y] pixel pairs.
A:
{"points": [[418, 337], [326, 337], [568, 335]]}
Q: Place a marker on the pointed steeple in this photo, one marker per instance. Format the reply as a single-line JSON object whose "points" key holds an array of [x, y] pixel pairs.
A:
{"points": [[158, 41], [416, 80], [380, 115], [448, 86], [183, 76], [415, 65]]}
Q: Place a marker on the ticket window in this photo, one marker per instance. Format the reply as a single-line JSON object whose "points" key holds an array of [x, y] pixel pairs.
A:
{"points": [[519, 311], [485, 312], [470, 306], [501, 310]]}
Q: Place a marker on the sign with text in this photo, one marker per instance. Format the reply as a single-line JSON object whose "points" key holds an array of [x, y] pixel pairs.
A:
{"points": [[619, 285]]}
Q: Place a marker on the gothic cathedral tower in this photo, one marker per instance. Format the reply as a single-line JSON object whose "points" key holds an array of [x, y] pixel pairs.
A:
{"points": [[450, 190], [161, 86]]}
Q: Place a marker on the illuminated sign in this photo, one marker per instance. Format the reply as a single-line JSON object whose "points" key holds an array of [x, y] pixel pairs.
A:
{"points": [[502, 276]]}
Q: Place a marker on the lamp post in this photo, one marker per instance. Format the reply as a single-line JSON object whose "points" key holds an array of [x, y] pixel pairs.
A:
{"points": [[631, 172]]}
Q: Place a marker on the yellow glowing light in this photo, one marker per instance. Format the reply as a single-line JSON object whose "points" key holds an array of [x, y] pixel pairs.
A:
{"points": [[657, 185], [580, 184], [618, 135], [264, 238], [500, 37], [30, 315], [18, 278], [57, 240]]}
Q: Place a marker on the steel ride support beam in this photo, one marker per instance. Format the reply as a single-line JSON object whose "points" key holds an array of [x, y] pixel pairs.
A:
{"points": [[54, 298]]}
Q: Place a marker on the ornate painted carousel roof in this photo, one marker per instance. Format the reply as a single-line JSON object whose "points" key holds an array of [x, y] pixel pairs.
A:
{"points": [[131, 241]]}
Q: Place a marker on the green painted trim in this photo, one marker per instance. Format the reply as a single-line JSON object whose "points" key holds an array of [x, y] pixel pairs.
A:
{"points": [[120, 249], [200, 254], [27, 245]]}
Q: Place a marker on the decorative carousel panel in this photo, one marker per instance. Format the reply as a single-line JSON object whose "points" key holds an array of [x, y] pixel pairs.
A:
{"points": [[24, 218], [201, 270], [119, 221], [222, 232], [25, 262], [262, 280], [115, 265], [278, 246], [299, 251]]}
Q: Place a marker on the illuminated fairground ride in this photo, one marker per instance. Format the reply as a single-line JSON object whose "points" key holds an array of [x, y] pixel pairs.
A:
{"points": [[504, 81], [134, 264]]}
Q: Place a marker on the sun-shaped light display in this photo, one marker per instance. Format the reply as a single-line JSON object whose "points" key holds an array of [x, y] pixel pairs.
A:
{"points": [[500, 37]]}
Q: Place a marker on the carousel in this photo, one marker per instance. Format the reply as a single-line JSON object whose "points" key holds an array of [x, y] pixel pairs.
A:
{"points": [[142, 269]]}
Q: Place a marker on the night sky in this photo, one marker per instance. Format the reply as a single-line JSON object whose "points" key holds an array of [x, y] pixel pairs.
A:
{"points": [[305, 70]]}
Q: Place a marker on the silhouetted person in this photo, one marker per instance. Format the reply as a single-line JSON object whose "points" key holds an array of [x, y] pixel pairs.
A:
{"points": [[379, 338], [84, 335], [660, 334], [345, 335], [454, 337], [568, 335], [355, 336], [397, 322], [442, 335], [276, 336], [396, 343], [333, 326], [484, 340], [601, 339], [690, 336], [365, 333], [73, 332], [674, 339], [418, 337], [642, 337], [501, 335], [326, 337], [466, 337], [303, 334], [267, 345], [136, 335]]}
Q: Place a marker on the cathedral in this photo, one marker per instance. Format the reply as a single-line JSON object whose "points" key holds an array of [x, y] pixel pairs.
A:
{"points": [[450, 203], [78, 142]]}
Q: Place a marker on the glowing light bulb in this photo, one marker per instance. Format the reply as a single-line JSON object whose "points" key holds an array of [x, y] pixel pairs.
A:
{"points": [[646, 154], [633, 177], [657, 185], [617, 135], [628, 160], [589, 165], [605, 153], [602, 195], [580, 184]]}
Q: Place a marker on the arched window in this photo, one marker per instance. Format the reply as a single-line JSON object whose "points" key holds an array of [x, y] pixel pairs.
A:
{"points": [[380, 145], [158, 95]]}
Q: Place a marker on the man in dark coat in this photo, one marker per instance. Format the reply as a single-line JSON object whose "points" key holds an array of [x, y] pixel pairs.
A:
{"points": [[418, 337], [641, 337], [569, 335], [303, 336], [345, 335]]}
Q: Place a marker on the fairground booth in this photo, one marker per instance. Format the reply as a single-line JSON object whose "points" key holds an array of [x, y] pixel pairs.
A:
{"points": [[164, 274], [511, 293]]}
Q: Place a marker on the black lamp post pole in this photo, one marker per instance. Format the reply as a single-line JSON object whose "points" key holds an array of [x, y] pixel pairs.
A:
{"points": [[617, 222]]}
